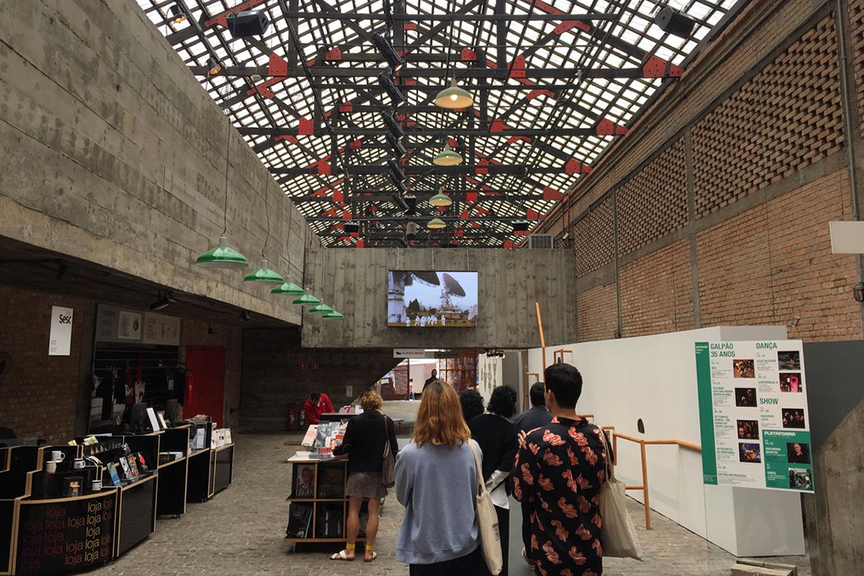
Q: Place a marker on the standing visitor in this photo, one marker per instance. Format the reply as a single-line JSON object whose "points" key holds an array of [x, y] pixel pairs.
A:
{"points": [[318, 403], [431, 378], [496, 436], [559, 470], [411, 389], [472, 404], [364, 442], [538, 415], [436, 481]]}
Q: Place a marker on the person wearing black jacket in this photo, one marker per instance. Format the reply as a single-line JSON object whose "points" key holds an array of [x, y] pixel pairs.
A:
{"points": [[364, 442], [498, 439]]}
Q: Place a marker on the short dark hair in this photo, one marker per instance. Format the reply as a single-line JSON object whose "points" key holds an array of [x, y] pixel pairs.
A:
{"points": [[537, 393], [565, 382], [315, 396], [472, 404], [503, 402]]}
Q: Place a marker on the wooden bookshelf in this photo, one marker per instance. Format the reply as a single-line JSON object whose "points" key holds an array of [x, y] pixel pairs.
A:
{"points": [[315, 501]]}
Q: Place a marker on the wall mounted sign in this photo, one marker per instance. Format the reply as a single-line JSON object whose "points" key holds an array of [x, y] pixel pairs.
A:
{"points": [[60, 339], [161, 329], [115, 324], [753, 415], [409, 353]]}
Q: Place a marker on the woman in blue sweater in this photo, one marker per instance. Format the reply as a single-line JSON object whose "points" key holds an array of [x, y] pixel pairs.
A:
{"points": [[436, 481]]}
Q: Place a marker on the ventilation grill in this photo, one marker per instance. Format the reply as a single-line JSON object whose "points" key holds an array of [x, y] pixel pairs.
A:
{"points": [[540, 241]]}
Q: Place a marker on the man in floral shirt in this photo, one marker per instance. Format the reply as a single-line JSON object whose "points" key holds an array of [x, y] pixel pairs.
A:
{"points": [[559, 470]]}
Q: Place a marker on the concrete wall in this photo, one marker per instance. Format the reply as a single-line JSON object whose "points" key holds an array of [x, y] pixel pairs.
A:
{"points": [[278, 373], [354, 282], [118, 155]]}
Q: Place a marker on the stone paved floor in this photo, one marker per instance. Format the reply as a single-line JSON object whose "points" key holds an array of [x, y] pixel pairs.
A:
{"points": [[240, 532]]}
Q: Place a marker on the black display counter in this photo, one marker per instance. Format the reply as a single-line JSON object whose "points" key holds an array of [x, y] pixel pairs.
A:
{"points": [[41, 533]]}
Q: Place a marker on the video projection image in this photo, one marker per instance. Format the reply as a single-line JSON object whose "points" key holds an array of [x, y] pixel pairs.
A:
{"points": [[431, 299]]}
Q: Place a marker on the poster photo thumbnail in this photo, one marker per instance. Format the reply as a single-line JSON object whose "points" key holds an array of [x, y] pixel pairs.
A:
{"points": [[431, 299]]}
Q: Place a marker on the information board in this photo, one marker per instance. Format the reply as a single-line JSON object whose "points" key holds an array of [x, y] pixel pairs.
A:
{"points": [[67, 534], [753, 414]]}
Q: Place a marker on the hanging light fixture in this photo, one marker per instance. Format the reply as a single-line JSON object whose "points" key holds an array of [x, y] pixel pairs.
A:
{"points": [[440, 199], [289, 289], [264, 273], [436, 224], [383, 45], [177, 14], [333, 315], [454, 97], [223, 256], [447, 157], [213, 66], [321, 309], [386, 83], [307, 300]]}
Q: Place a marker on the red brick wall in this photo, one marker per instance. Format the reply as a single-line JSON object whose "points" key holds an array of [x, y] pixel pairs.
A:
{"points": [[37, 397], [596, 317], [656, 292], [773, 264]]}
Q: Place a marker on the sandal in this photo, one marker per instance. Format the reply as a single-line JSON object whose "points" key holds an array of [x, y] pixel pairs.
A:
{"points": [[374, 555], [341, 555]]}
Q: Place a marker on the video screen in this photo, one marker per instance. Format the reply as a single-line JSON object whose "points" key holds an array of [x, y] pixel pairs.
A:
{"points": [[431, 299]]}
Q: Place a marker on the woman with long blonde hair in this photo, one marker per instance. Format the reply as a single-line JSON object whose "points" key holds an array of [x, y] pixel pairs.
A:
{"points": [[436, 481]]}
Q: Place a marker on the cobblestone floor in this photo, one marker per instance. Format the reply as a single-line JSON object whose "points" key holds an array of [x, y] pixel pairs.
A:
{"points": [[239, 532]]}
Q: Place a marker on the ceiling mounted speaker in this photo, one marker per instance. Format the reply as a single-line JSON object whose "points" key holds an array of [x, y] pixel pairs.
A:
{"points": [[674, 22], [520, 226], [248, 23], [411, 203], [351, 227]]}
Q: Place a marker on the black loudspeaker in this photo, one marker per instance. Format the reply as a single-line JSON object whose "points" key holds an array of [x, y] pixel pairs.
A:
{"points": [[351, 228], [411, 201], [674, 22], [520, 225], [248, 23]]}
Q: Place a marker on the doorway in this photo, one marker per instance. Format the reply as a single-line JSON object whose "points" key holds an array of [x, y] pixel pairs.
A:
{"points": [[207, 394]]}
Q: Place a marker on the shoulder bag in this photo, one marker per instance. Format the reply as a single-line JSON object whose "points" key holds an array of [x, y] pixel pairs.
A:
{"points": [[388, 467], [617, 535], [487, 521]]}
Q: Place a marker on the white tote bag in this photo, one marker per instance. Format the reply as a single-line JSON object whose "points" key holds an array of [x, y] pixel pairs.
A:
{"points": [[487, 520], [618, 535]]}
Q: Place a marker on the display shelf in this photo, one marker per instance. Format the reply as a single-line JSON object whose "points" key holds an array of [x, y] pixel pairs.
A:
{"points": [[319, 507], [172, 463]]}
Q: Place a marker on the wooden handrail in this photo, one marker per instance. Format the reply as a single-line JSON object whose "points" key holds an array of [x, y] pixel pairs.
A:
{"points": [[642, 443], [542, 337]]}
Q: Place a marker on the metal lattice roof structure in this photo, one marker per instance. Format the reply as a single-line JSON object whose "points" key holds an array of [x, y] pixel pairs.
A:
{"points": [[554, 82]]}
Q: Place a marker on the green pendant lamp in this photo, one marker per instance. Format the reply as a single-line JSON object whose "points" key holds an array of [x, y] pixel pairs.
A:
{"points": [[222, 256], [307, 300], [447, 157], [454, 97], [321, 309], [288, 289], [264, 274], [333, 315], [436, 224], [440, 199]]}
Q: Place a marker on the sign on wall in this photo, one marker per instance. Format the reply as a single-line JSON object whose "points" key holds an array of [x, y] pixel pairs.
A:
{"points": [[753, 414], [60, 339], [161, 329], [115, 324]]}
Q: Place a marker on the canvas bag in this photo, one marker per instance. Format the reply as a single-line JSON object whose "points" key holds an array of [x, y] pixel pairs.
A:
{"points": [[618, 535], [487, 521], [388, 467]]}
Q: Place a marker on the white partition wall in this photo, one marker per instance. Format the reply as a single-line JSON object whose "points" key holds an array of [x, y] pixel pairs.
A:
{"points": [[653, 378]]}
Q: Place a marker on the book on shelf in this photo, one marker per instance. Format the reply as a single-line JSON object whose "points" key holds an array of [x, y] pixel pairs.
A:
{"points": [[299, 520], [331, 482]]}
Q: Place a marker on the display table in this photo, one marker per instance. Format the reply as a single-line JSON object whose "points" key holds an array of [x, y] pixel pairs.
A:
{"points": [[171, 496], [318, 500]]}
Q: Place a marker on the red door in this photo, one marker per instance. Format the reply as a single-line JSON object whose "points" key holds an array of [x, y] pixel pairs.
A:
{"points": [[207, 395]]}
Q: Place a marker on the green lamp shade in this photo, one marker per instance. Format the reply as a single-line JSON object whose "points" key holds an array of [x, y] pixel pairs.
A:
{"points": [[307, 300], [321, 309], [440, 199], [223, 256], [264, 274], [289, 289], [435, 224], [454, 97], [447, 157], [333, 315]]}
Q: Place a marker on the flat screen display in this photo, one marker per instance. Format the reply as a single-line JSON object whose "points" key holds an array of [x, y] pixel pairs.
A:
{"points": [[431, 299]]}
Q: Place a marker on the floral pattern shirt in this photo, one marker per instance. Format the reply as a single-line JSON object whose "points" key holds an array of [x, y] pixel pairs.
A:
{"points": [[559, 472]]}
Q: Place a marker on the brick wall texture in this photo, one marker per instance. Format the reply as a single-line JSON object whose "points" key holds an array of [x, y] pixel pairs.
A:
{"points": [[767, 174], [38, 391]]}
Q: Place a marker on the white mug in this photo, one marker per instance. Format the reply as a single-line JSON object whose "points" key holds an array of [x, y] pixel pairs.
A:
{"points": [[51, 466], [78, 463], [96, 485], [58, 456]]}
